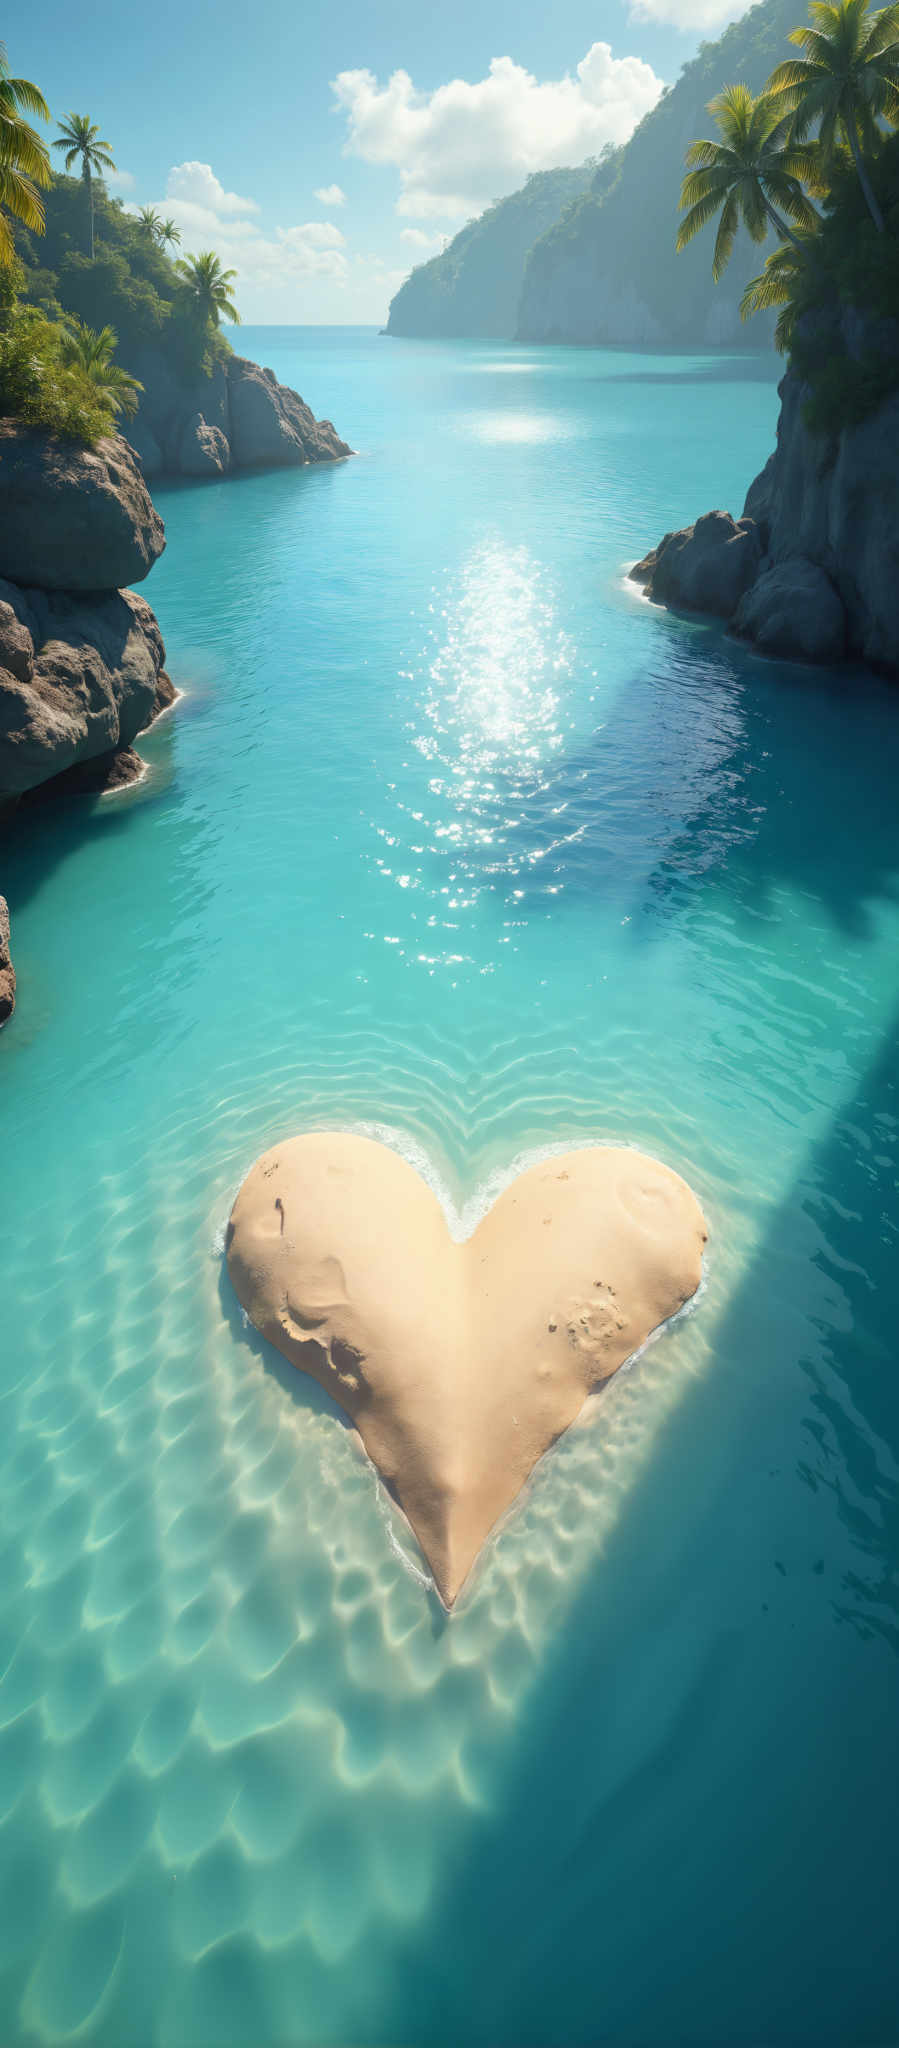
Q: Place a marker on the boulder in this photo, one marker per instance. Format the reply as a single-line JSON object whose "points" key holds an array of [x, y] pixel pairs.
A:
{"points": [[270, 426], [172, 398], [203, 449], [7, 970], [824, 512], [165, 696], [704, 568], [793, 610], [99, 776], [80, 677], [231, 415], [72, 518]]}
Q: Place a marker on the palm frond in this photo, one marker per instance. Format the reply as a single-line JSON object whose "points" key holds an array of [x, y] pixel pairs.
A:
{"points": [[698, 217], [19, 144], [21, 197], [26, 95], [702, 184], [726, 237]]}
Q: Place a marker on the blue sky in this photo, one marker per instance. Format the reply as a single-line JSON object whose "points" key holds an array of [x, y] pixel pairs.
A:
{"points": [[322, 150]]}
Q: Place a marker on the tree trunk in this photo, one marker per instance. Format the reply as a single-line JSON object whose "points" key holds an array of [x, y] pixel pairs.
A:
{"points": [[89, 195], [863, 178], [780, 226]]}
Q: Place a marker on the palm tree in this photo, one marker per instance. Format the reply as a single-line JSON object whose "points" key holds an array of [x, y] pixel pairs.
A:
{"points": [[169, 233], [80, 137], [749, 173], [210, 286], [150, 223], [84, 348], [779, 285], [24, 163], [847, 81]]}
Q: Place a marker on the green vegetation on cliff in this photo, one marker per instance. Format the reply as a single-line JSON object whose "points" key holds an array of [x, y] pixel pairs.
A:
{"points": [[129, 289], [81, 280], [609, 271], [818, 131], [129, 284], [471, 290]]}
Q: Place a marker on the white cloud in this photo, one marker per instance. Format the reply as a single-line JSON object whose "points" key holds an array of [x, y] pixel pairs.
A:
{"points": [[211, 218], [688, 15], [320, 234], [119, 181], [465, 144], [329, 195], [417, 238], [196, 184]]}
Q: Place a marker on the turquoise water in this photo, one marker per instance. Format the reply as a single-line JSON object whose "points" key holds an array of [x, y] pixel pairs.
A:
{"points": [[455, 838]]}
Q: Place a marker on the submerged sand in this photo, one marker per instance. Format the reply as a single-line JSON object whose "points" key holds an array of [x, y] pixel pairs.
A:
{"points": [[459, 1363]]}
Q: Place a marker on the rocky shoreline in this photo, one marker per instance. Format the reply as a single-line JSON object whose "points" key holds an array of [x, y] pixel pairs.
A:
{"points": [[234, 418], [82, 660], [810, 572]]}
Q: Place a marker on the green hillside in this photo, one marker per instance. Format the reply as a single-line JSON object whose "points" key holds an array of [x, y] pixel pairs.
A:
{"points": [[129, 284], [608, 270], [473, 287]]}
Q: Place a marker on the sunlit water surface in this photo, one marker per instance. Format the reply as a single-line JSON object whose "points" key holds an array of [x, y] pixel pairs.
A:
{"points": [[456, 839]]}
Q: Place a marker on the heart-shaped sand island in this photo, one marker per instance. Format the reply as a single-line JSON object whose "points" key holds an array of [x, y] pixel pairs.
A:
{"points": [[459, 1363]]}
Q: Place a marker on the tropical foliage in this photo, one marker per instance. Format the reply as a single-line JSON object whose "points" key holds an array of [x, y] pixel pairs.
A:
{"points": [[818, 132], [845, 84], [83, 281], [209, 287], [24, 164], [84, 348], [753, 173], [80, 139], [40, 386], [155, 228]]}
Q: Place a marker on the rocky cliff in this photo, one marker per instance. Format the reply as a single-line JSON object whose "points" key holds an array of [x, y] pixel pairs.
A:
{"points": [[811, 570], [609, 272], [82, 664], [235, 417], [471, 290]]}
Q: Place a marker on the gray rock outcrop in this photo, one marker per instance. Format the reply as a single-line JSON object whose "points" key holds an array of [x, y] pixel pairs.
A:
{"points": [[823, 523], [792, 610], [73, 518], [80, 677], [7, 970], [236, 417], [703, 568]]}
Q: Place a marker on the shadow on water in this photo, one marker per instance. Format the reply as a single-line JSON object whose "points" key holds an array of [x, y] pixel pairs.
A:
{"points": [[722, 1871], [715, 768], [749, 369], [45, 830]]}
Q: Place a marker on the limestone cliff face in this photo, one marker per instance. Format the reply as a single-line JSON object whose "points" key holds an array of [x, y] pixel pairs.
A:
{"points": [[818, 543], [81, 660], [471, 290], [608, 272], [238, 417], [833, 501]]}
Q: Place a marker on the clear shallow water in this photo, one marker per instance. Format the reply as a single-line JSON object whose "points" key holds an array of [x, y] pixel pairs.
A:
{"points": [[455, 837]]}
